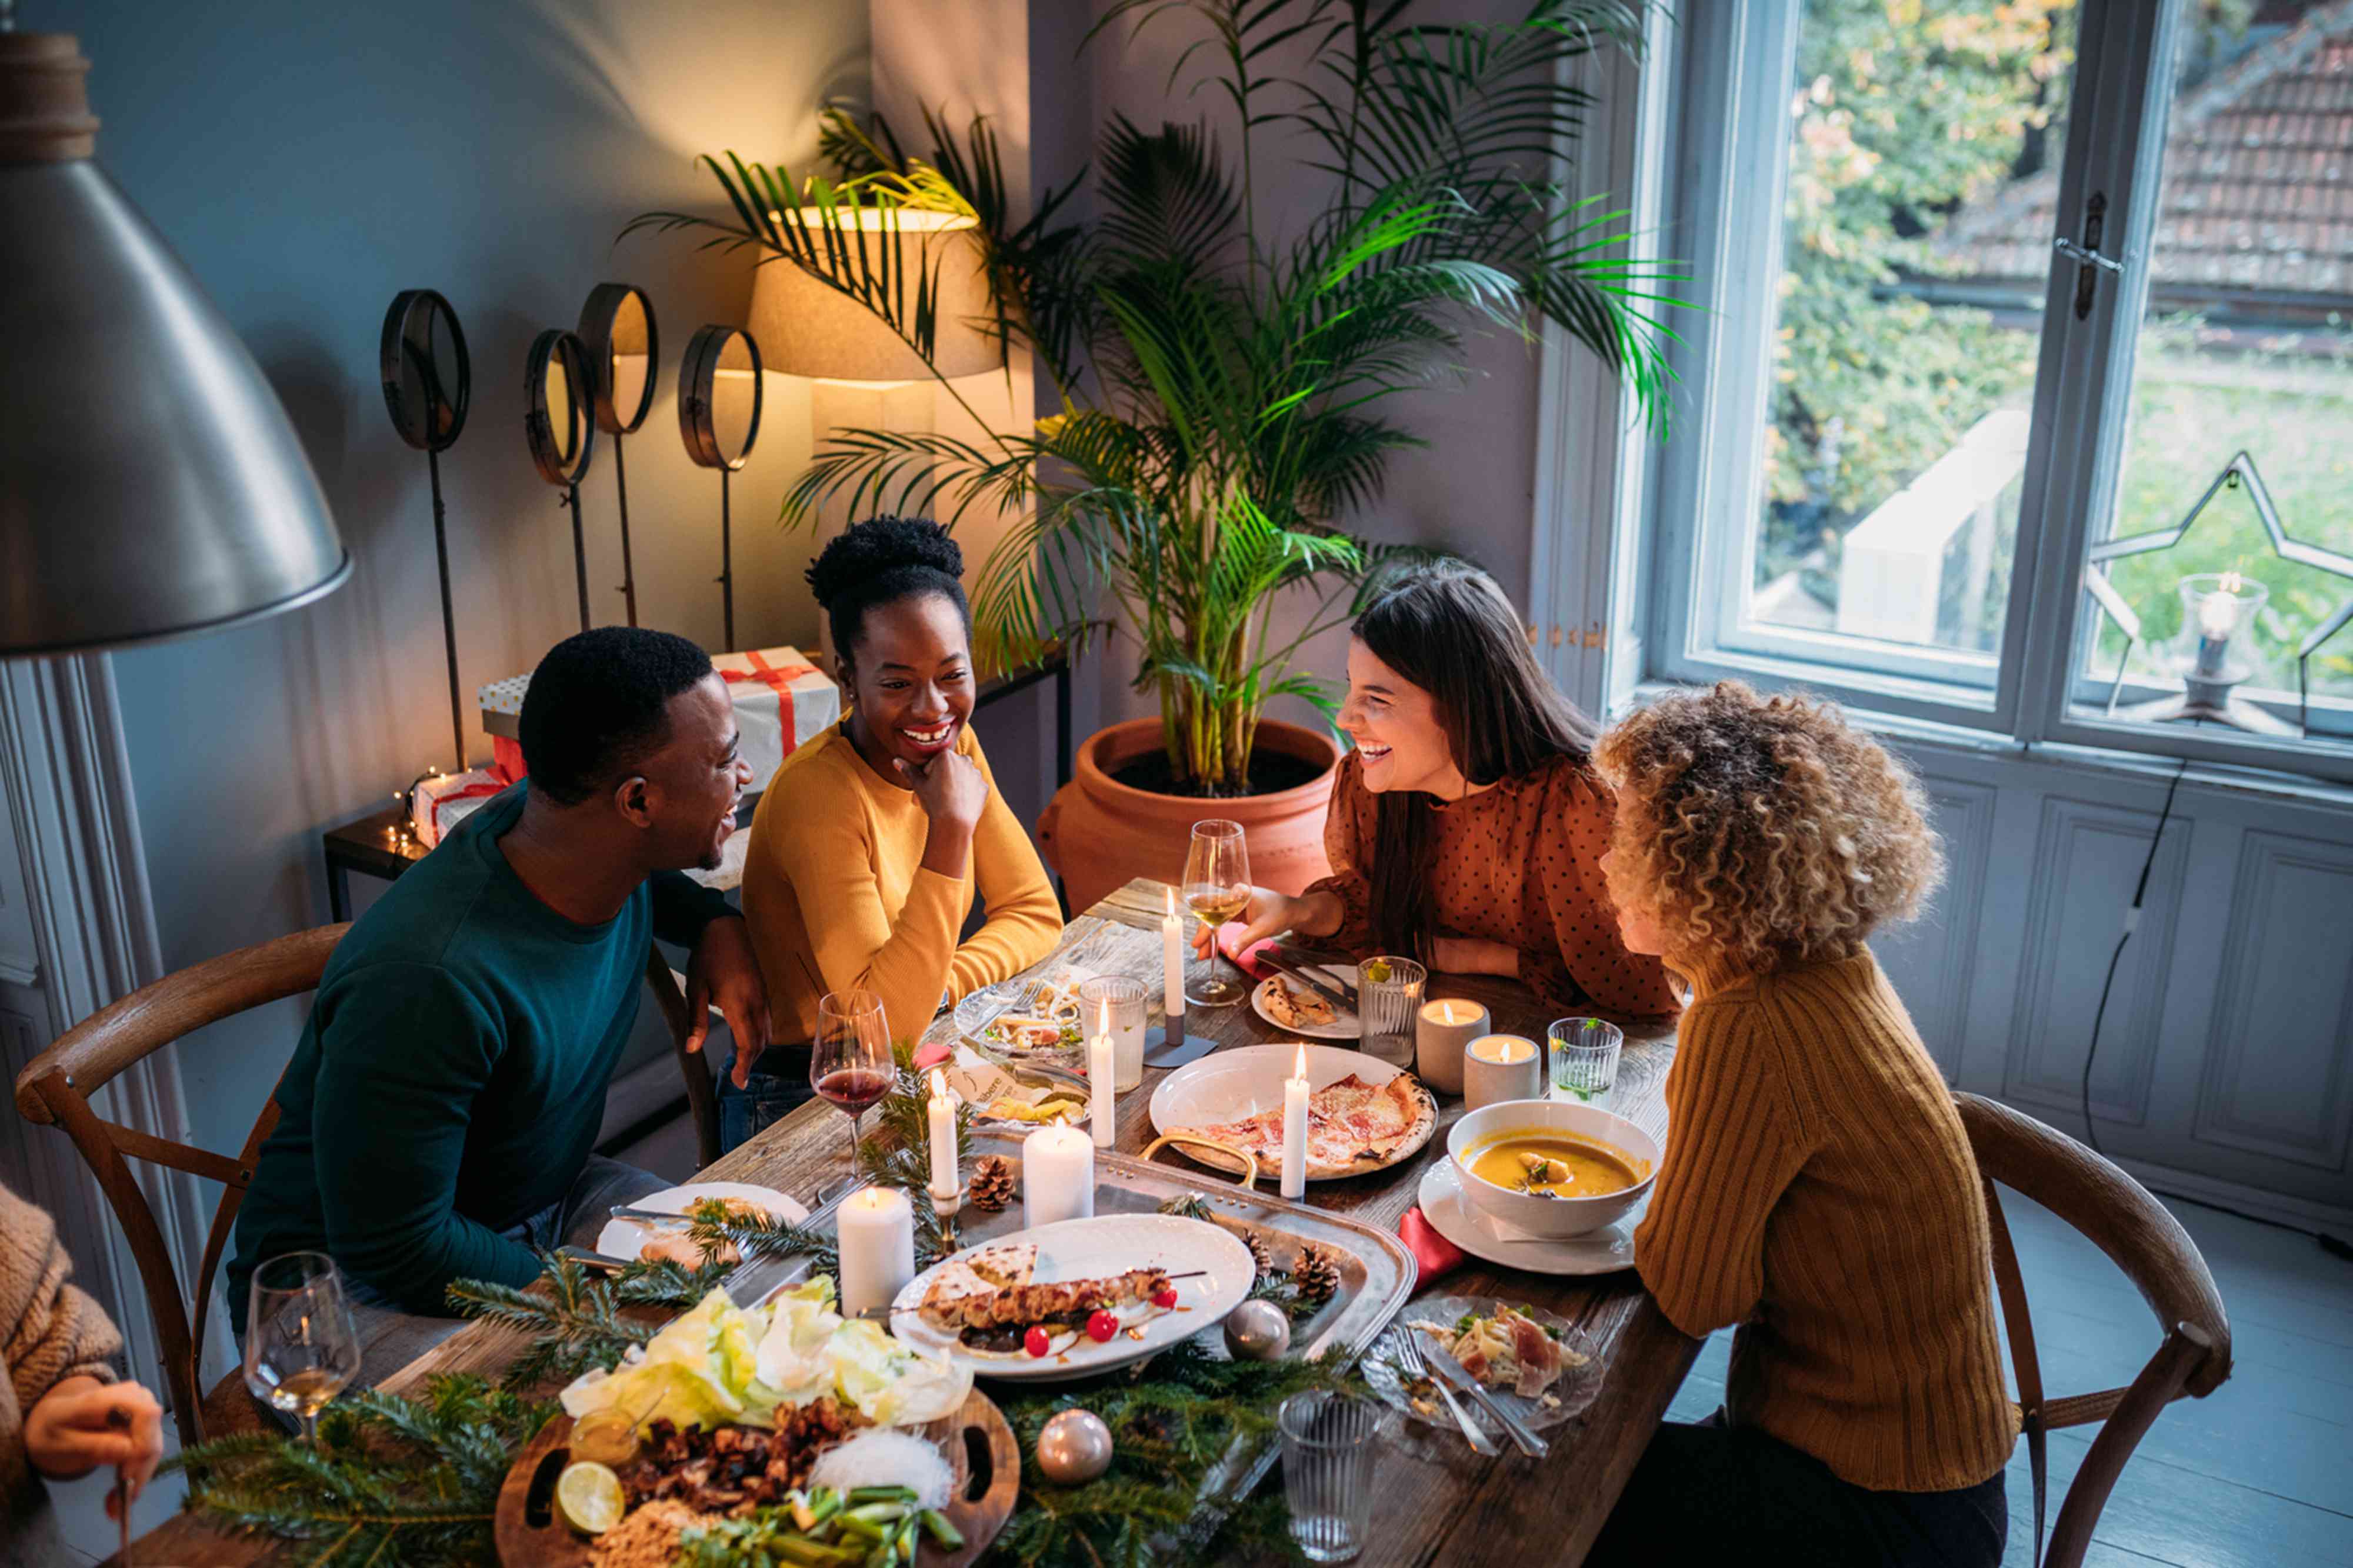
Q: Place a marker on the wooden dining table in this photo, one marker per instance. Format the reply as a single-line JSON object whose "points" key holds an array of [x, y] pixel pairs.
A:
{"points": [[1435, 1499]]}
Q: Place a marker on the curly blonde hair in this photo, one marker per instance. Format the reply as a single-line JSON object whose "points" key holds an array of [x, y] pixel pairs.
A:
{"points": [[1764, 832]]}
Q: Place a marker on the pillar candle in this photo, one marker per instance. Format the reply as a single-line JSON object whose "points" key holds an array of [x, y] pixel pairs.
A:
{"points": [[1058, 1176], [1294, 1129], [1102, 1074], [947, 1179], [875, 1233], [1502, 1067], [1172, 964], [1440, 1032]]}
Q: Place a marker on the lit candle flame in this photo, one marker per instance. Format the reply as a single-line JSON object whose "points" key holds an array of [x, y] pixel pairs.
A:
{"points": [[2231, 582], [939, 1084], [1170, 894], [1103, 1025], [1299, 1063]]}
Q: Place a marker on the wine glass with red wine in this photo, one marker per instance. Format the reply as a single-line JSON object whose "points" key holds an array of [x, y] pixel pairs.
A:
{"points": [[850, 1063]]}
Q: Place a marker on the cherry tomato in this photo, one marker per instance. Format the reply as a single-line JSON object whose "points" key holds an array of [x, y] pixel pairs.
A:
{"points": [[1101, 1326], [1164, 1298], [1037, 1342]]}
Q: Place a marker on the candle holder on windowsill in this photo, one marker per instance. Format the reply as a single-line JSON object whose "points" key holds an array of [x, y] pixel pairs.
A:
{"points": [[2217, 610]]}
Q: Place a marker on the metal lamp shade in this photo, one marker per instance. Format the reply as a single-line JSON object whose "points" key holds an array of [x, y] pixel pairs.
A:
{"points": [[150, 482], [808, 328]]}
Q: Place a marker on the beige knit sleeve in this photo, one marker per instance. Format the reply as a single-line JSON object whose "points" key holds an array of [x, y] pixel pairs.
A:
{"points": [[54, 1331], [1735, 1140]]}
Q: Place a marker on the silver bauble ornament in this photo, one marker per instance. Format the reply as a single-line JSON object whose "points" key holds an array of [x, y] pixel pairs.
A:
{"points": [[1073, 1448], [1258, 1331]]}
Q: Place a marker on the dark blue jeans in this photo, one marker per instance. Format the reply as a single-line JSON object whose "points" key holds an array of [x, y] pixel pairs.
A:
{"points": [[777, 1085], [1713, 1493]]}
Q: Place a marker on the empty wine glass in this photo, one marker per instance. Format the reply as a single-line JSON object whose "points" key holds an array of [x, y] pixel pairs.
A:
{"points": [[1217, 889], [300, 1349], [850, 1062]]}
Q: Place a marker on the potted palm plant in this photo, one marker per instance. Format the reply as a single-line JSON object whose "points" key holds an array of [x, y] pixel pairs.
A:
{"points": [[1221, 380]]}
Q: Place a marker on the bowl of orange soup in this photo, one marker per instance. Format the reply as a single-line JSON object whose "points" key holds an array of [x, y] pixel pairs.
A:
{"points": [[1552, 1168]]}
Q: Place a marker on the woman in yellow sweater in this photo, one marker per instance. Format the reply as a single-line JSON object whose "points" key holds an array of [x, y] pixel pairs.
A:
{"points": [[1817, 1190], [873, 838]]}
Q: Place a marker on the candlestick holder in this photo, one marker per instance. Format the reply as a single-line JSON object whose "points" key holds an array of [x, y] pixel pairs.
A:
{"points": [[2218, 609]]}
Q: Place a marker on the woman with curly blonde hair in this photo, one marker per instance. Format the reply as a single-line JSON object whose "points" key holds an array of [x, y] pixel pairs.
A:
{"points": [[1817, 1190]]}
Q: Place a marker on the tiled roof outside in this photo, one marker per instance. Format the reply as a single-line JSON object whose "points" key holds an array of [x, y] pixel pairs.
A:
{"points": [[2258, 180]]}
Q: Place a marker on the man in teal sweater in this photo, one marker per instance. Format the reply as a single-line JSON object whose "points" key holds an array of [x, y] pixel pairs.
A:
{"points": [[438, 1116]]}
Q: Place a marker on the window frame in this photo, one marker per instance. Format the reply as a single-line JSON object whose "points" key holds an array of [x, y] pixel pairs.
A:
{"points": [[1727, 159]]}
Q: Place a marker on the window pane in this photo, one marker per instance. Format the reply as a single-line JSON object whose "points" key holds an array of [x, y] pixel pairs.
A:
{"points": [[2247, 346], [1924, 141]]}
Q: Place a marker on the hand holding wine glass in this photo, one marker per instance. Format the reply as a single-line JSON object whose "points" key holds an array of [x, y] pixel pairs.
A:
{"points": [[850, 1062], [1217, 889], [301, 1348]]}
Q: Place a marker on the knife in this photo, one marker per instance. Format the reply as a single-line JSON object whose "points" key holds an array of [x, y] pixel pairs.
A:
{"points": [[1332, 991], [1317, 966], [1450, 1371]]}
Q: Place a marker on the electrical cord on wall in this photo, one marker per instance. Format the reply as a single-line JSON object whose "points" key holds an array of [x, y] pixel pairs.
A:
{"points": [[2336, 1246]]}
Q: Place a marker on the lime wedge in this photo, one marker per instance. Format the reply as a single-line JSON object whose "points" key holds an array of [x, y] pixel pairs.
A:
{"points": [[589, 1497], [1379, 973]]}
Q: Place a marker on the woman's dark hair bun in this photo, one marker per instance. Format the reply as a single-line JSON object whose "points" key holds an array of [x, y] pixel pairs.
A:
{"points": [[883, 560], [866, 550]]}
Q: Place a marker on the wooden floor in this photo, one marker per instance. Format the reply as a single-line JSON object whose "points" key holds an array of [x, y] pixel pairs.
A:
{"points": [[2258, 1475]]}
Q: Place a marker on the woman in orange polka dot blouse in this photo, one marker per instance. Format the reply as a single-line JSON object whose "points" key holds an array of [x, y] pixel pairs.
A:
{"points": [[1467, 826]]}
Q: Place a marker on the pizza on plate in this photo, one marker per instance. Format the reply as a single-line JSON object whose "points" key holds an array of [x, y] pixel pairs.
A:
{"points": [[1297, 1008], [1352, 1127]]}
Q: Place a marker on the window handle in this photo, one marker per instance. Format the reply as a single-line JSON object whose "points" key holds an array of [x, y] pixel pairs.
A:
{"points": [[2076, 253]]}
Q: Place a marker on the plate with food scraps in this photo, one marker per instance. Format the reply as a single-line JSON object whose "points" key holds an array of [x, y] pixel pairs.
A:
{"points": [[1034, 1016], [1507, 1345], [1075, 1298], [1295, 1008], [630, 1239], [1363, 1114], [1006, 1097]]}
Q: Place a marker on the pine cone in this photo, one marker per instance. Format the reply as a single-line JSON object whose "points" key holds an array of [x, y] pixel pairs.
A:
{"points": [[1260, 1254], [1316, 1274], [992, 1183]]}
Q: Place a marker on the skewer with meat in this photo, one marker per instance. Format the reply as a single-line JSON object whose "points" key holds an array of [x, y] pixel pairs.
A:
{"points": [[1020, 1305]]}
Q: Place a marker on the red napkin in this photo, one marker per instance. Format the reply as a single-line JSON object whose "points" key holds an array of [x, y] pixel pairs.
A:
{"points": [[932, 1054], [1433, 1252], [1229, 935]]}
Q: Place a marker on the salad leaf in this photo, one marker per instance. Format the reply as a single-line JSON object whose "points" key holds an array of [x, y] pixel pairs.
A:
{"points": [[696, 1372]]}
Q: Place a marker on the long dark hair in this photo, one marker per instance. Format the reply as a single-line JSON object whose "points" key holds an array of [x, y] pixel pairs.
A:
{"points": [[1449, 629]]}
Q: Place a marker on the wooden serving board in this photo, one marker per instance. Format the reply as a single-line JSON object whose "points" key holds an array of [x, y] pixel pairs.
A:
{"points": [[976, 1439]]}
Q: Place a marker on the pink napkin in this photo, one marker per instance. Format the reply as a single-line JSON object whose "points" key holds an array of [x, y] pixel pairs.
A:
{"points": [[1249, 961], [1433, 1252], [934, 1053]]}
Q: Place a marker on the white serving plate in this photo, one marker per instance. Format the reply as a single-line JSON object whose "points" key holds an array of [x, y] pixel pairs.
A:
{"points": [[622, 1238], [978, 1011], [1604, 1251], [1243, 1080], [1344, 1026], [1095, 1249]]}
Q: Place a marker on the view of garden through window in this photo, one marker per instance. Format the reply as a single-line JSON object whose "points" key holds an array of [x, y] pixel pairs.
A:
{"points": [[1921, 203]]}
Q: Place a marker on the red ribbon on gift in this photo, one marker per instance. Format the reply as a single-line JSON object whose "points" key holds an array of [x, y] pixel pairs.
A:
{"points": [[472, 792], [778, 680]]}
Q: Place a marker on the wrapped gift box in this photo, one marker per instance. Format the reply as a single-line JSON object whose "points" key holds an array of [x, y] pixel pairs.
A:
{"points": [[781, 701], [438, 802]]}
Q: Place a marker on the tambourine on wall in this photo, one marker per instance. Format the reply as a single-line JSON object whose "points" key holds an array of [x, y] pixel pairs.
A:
{"points": [[719, 417], [427, 383], [618, 336], [561, 428]]}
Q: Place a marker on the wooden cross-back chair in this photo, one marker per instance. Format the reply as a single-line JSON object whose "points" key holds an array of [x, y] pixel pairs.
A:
{"points": [[55, 1091], [2117, 1216]]}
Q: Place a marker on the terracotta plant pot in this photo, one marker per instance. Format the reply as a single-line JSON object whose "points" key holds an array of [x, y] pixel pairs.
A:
{"points": [[1099, 834]]}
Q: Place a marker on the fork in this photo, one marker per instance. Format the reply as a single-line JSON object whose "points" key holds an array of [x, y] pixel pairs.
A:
{"points": [[1410, 1352]]}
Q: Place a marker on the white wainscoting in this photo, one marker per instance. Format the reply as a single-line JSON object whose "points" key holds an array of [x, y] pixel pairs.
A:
{"points": [[2225, 1065]]}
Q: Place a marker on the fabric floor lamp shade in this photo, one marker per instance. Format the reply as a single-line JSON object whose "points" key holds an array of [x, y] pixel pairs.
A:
{"points": [[805, 327], [150, 482]]}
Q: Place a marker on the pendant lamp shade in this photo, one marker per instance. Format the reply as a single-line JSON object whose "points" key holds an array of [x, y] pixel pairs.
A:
{"points": [[804, 326], [150, 482]]}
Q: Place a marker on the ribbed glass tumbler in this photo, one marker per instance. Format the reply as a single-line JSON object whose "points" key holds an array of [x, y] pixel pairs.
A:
{"points": [[1328, 1443]]}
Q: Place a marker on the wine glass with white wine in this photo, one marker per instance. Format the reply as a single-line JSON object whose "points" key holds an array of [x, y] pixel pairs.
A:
{"points": [[300, 1349], [1217, 889]]}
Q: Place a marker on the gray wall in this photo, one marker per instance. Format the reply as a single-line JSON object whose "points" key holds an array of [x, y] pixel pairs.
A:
{"points": [[310, 161]]}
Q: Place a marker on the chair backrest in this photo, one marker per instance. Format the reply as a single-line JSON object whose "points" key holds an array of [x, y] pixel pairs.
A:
{"points": [[2117, 1216], [694, 1067], [55, 1091]]}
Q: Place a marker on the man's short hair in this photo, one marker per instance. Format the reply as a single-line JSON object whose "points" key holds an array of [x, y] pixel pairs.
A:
{"points": [[598, 705]]}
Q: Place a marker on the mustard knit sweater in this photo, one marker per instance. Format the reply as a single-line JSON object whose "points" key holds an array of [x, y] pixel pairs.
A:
{"points": [[837, 895], [1818, 1192]]}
